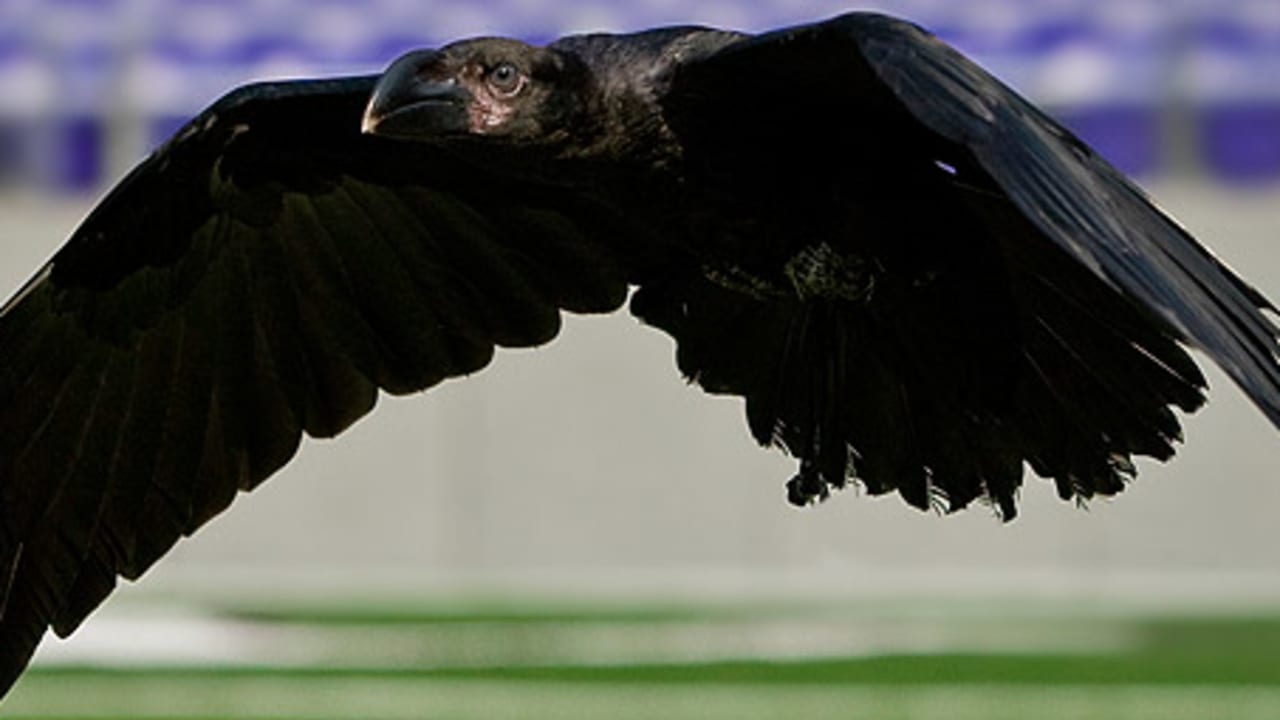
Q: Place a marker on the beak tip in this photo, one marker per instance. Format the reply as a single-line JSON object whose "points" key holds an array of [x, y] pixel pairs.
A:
{"points": [[370, 118]]}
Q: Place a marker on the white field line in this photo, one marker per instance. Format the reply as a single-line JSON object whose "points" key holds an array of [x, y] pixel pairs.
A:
{"points": [[200, 640]]}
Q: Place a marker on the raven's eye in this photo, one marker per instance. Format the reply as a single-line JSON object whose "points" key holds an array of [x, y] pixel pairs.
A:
{"points": [[505, 79]]}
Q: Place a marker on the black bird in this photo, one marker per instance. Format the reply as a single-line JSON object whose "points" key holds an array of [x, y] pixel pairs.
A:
{"points": [[915, 279]]}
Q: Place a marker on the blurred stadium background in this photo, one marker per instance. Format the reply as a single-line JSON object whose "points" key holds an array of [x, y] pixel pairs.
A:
{"points": [[1158, 85], [630, 553]]}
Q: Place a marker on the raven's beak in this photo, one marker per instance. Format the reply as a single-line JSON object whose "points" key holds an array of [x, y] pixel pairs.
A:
{"points": [[409, 103]]}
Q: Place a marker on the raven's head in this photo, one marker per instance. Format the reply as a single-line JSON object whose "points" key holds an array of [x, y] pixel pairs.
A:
{"points": [[488, 88]]}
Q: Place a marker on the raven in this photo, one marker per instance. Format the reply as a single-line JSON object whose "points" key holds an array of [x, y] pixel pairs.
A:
{"points": [[915, 279]]}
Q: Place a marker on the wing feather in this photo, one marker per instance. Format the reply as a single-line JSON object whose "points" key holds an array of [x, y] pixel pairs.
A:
{"points": [[1079, 201], [260, 276], [1018, 300]]}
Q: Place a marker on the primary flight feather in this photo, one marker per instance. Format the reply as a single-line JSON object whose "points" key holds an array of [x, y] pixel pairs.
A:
{"points": [[914, 278]]}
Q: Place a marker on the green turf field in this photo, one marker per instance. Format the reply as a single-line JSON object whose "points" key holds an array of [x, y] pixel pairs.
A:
{"points": [[505, 661]]}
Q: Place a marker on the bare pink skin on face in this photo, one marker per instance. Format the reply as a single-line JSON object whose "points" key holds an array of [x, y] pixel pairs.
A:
{"points": [[488, 109]]}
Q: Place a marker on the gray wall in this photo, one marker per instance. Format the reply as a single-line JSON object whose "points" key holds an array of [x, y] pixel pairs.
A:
{"points": [[590, 461]]}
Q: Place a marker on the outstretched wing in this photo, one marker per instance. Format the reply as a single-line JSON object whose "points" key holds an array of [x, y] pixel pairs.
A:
{"points": [[260, 276], [983, 289], [1080, 202]]}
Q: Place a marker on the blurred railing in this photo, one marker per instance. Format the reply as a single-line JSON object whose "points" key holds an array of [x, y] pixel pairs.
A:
{"points": [[1158, 86]]}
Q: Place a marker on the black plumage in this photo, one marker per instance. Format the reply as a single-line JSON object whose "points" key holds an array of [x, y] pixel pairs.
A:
{"points": [[914, 278]]}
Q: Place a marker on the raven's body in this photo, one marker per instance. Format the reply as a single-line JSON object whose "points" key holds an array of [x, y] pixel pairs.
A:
{"points": [[914, 278]]}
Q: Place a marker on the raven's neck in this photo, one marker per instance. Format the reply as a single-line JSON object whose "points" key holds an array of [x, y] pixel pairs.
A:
{"points": [[629, 76]]}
